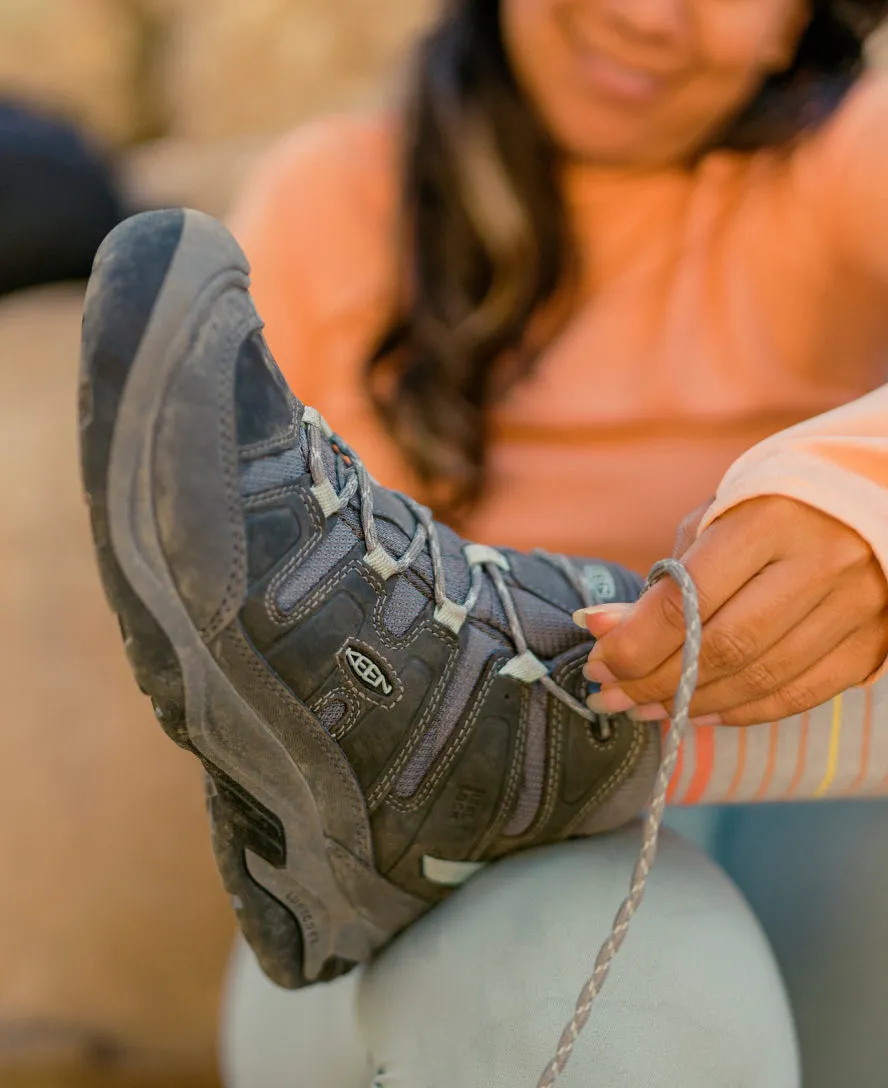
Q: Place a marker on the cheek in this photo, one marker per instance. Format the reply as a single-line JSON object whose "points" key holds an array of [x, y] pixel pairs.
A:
{"points": [[521, 22], [707, 103], [741, 43], [734, 55], [528, 41]]}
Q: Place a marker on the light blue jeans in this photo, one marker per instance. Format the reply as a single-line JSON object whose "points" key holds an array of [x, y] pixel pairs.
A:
{"points": [[816, 876], [475, 994]]}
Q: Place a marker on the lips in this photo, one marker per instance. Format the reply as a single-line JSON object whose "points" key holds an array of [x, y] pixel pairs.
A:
{"points": [[614, 78], [619, 80]]}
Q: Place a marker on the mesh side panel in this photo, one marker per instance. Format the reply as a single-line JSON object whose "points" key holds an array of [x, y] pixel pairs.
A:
{"points": [[332, 714], [455, 567], [282, 468], [331, 550], [549, 631], [456, 570], [394, 540], [531, 791], [270, 472], [490, 609], [479, 646], [404, 607]]}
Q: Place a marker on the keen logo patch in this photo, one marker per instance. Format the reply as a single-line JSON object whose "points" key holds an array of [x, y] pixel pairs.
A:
{"points": [[368, 672]]}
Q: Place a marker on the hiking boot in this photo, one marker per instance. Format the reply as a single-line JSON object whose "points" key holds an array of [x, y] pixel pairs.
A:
{"points": [[380, 706]]}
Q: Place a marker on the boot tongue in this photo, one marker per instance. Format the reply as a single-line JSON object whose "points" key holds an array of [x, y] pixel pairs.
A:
{"points": [[548, 627], [545, 599], [270, 458], [263, 403]]}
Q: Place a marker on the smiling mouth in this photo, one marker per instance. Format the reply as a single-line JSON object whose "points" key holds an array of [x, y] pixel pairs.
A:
{"points": [[617, 80]]}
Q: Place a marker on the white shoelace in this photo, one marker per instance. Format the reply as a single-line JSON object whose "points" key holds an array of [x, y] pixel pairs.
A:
{"points": [[653, 820], [525, 666]]}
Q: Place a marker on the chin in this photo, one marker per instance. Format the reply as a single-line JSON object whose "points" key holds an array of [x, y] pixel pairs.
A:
{"points": [[618, 153], [610, 142]]}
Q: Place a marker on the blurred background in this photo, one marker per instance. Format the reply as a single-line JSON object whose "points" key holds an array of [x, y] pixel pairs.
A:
{"points": [[114, 930]]}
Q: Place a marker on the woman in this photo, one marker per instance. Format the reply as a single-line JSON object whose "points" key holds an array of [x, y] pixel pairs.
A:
{"points": [[637, 238], [580, 230]]}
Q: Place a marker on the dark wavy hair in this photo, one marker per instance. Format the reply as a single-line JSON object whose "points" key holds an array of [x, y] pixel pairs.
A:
{"points": [[488, 242]]}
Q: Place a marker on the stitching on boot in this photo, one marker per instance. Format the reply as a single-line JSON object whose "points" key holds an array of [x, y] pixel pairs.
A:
{"points": [[513, 781], [236, 585], [448, 754], [278, 443]]}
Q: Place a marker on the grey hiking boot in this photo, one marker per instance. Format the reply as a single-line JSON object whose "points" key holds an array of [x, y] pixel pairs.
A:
{"points": [[380, 706]]}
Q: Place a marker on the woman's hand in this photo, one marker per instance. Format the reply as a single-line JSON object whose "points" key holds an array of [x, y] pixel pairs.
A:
{"points": [[795, 611]]}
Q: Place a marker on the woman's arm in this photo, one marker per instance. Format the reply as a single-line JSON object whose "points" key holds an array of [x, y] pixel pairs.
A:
{"points": [[791, 562], [791, 559], [794, 603]]}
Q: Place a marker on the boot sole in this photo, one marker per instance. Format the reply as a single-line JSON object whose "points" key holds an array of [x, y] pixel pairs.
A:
{"points": [[283, 870]]}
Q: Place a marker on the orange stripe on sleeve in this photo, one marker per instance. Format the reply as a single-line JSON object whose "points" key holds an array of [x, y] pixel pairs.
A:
{"points": [[704, 740]]}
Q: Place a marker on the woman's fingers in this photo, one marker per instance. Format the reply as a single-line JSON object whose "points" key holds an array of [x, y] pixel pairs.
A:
{"points": [[809, 642], [847, 666], [771, 612], [722, 561], [745, 629]]}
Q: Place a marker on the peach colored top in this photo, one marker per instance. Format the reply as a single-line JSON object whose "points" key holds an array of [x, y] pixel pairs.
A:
{"points": [[718, 307]]}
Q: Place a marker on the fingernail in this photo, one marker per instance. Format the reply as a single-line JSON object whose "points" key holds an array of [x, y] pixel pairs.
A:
{"points": [[650, 712], [598, 673], [610, 611], [706, 720], [610, 701], [601, 624]]}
